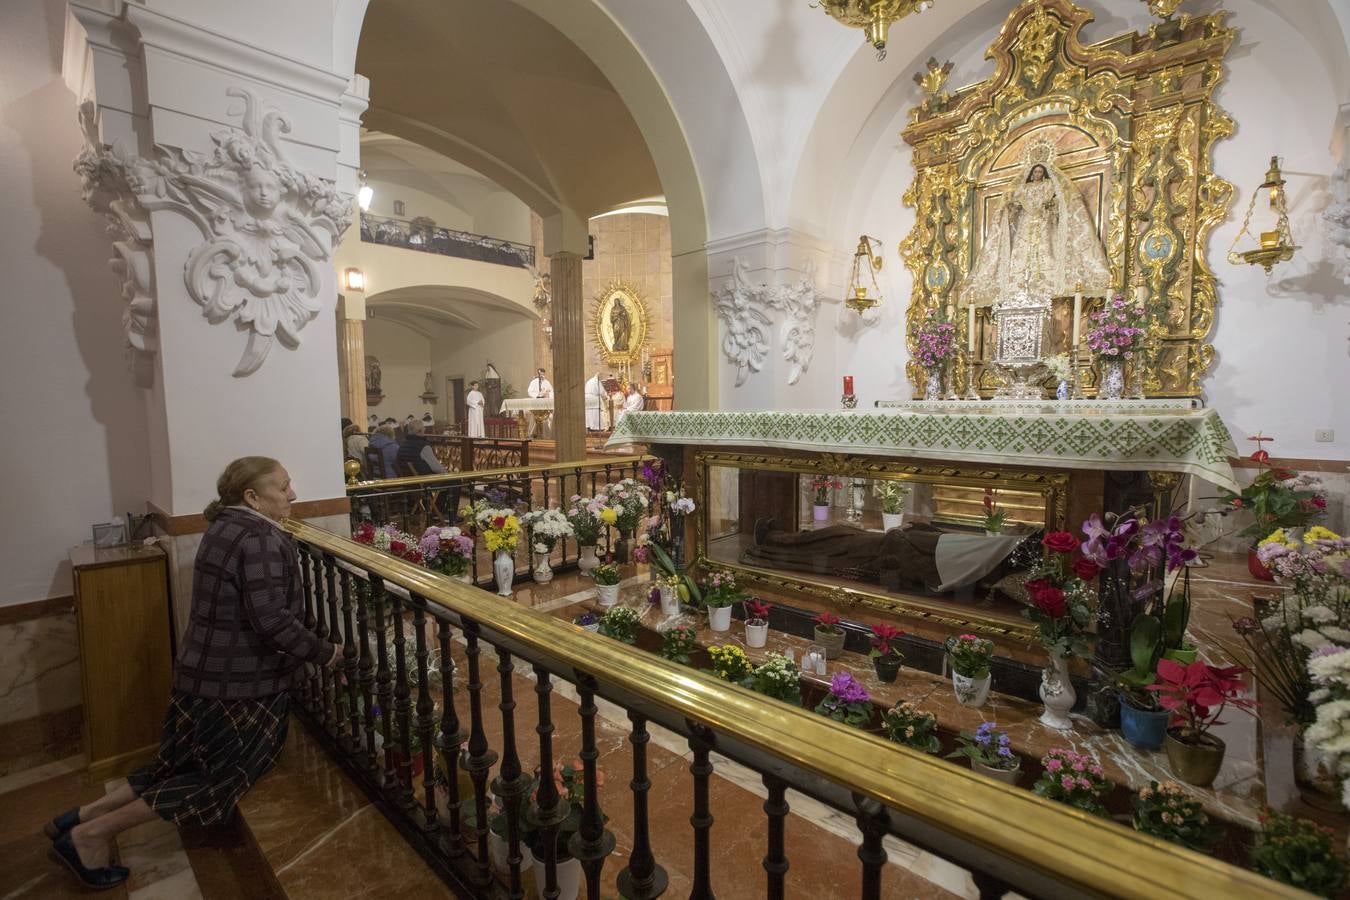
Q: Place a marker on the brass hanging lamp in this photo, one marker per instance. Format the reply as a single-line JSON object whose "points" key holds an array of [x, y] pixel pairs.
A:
{"points": [[1276, 245], [864, 260], [874, 17]]}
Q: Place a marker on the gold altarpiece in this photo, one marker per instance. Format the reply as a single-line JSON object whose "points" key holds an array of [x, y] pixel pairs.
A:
{"points": [[1134, 124]]}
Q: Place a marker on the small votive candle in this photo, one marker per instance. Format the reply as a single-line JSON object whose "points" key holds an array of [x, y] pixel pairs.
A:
{"points": [[848, 385]]}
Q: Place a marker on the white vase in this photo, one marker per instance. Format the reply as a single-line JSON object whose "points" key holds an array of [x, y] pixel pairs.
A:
{"points": [[569, 879], [607, 594], [971, 692], [1113, 379], [543, 572], [756, 635], [1057, 694], [587, 560], [498, 852], [932, 386], [719, 618], [820, 513], [892, 520], [670, 601], [504, 567]]}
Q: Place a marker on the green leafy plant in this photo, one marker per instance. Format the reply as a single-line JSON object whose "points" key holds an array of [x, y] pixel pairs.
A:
{"points": [[892, 494], [729, 662], [906, 724], [606, 573], [1299, 853], [722, 590], [621, 624], [1073, 778], [994, 517], [1167, 811], [987, 746], [847, 702], [970, 655], [677, 643], [776, 677], [1278, 498], [687, 588]]}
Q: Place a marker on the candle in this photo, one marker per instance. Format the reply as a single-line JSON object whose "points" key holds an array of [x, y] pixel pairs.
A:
{"points": [[1077, 317], [970, 328], [820, 663], [1140, 293], [848, 385]]}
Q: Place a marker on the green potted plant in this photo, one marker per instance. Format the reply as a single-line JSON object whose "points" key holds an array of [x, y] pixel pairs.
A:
{"points": [[606, 578], [847, 702], [885, 651], [1073, 778], [989, 752], [677, 643], [776, 677], [729, 662], [719, 594], [994, 517], [588, 620], [829, 634], [821, 486], [620, 623], [970, 657], [1299, 853], [893, 495], [906, 724], [1167, 811], [1278, 500], [1143, 722], [1196, 695]]}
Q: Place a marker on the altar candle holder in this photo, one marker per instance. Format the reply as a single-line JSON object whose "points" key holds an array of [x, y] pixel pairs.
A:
{"points": [[1076, 375], [971, 393], [848, 399]]}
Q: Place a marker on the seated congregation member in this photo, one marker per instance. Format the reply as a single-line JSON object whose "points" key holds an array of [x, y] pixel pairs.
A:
{"points": [[244, 646], [383, 441], [416, 452], [354, 442]]}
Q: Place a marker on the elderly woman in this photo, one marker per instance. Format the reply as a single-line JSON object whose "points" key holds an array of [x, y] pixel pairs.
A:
{"points": [[245, 644]]}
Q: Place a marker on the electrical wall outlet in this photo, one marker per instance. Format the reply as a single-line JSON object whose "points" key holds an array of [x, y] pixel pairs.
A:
{"points": [[1324, 436]]}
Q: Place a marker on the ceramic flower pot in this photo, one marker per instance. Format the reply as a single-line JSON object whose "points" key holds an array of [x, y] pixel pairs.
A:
{"points": [[1112, 385], [569, 878], [756, 635], [607, 594], [719, 618], [1315, 775], [972, 692], [892, 520], [670, 601], [820, 513], [588, 560], [932, 386], [1057, 694], [1007, 776], [888, 667], [504, 567], [1143, 729], [832, 641], [1257, 568], [498, 851], [543, 570], [1194, 763]]}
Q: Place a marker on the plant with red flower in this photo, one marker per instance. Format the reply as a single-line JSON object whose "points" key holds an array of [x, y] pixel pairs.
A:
{"points": [[883, 641], [1048, 598], [364, 534], [828, 623], [398, 547], [1086, 569], [1278, 498], [1060, 542], [1197, 694], [757, 612]]}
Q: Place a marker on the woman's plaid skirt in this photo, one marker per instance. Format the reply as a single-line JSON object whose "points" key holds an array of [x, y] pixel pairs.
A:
{"points": [[212, 751]]}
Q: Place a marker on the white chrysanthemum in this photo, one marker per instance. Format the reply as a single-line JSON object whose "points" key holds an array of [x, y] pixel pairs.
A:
{"points": [[1330, 665], [1318, 615], [1313, 640], [1336, 633]]}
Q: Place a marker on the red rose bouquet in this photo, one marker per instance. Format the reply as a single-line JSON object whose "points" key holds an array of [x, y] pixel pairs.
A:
{"points": [[1060, 598]]}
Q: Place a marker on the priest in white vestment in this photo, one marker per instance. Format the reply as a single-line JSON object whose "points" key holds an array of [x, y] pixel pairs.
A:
{"points": [[540, 388], [633, 402], [474, 401], [594, 399]]}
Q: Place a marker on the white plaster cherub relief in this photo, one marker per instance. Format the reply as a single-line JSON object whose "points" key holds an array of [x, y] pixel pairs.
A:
{"points": [[743, 308]]}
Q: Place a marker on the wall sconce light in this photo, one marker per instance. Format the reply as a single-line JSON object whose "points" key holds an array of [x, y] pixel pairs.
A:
{"points": [[365, 193], [864, 259], [353, 279], [874, 17], [1276, 246]]}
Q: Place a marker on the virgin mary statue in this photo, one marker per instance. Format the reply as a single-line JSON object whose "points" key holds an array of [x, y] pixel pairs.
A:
{"points": [[1040, 240]]}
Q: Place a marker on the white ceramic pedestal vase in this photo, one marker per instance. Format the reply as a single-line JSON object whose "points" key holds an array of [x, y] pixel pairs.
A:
{"points": [[756, 635], [543, 571], [1057, 694], [607, 594], [504, 567], [670, 601], [569, 879], [892, 520], [719, 618], [588, 560], [972, 692]]}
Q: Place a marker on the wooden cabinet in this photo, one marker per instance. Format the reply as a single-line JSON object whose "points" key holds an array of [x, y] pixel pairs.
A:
{"points": [[126, 653]]}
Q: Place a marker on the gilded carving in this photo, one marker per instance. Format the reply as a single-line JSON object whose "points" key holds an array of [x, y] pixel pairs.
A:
{"points": [[1135, 123]]}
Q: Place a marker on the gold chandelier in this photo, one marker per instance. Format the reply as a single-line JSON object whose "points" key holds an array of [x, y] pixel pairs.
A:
{"points": [[864, 261], [874, 17], [1277, 245]]}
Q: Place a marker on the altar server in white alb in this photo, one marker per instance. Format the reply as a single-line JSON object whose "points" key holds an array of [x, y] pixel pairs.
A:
{"points": [[474, 401], [540, 388], [594, 400], [633, 401]]}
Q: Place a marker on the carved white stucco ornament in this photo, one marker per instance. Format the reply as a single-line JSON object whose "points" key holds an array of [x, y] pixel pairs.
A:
{"points": [[744, 309], [269, 228]]}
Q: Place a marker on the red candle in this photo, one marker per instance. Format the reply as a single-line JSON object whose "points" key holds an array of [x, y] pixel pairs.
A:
{"points": [[848, 385]]}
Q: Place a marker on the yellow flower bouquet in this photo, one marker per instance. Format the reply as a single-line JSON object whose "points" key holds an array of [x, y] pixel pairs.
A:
{"points": [[500, 528]]}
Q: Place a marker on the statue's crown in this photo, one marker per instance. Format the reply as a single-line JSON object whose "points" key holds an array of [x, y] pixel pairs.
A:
{"points": [[1039, 150]]}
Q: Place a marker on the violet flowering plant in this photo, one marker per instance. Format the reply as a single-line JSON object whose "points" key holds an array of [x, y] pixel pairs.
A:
{"points": [[1118, 330], [446, 549], [847, 702], [1073, 778], [987, 746], [935, 343]]}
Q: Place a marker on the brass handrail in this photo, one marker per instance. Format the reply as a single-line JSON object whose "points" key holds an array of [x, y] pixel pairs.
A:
{"points": [[1094, 855], [408, 481]]}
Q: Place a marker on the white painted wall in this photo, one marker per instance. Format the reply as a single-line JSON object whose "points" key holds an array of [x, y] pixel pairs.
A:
{"points": [[504, 337], [405, 359], [76, 423]]}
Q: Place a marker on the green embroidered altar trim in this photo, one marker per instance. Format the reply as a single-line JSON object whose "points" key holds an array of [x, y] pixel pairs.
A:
{"points": [[1191, 441]]}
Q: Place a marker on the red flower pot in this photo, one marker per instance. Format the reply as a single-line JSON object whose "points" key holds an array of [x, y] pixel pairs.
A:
{"points": [[1257, 568]]}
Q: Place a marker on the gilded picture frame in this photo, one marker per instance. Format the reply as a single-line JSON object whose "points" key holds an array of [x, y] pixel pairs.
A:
{"points": [[620, 323]]}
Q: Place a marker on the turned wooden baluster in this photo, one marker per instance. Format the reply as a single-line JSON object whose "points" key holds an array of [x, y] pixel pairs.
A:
{"points": [[478, 757], [313, 688], [425, 707], [366, 672], [510, 784], [642, 878], [700, 741], [550, 808], [384, 690], [448, 742], [402, 786], [775, 860], [333, 712], [321, 629], [874, 823], [592, 842], [349, 663]]}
